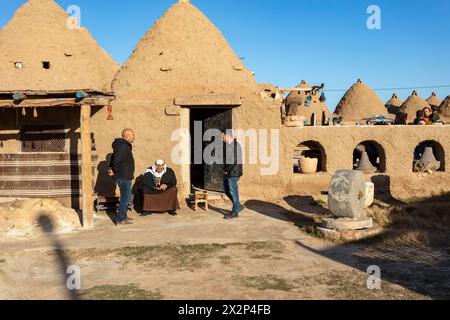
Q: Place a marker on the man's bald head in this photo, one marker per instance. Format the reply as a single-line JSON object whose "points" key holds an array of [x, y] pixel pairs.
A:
{"points": [[128, 134]]}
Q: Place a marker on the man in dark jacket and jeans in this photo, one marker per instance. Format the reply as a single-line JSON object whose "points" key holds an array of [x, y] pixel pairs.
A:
{"points": [[233, 167], [122, 170]]}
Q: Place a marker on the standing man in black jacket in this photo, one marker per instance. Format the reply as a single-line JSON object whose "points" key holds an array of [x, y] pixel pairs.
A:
{"points": [[233, 167], [122, 170]]}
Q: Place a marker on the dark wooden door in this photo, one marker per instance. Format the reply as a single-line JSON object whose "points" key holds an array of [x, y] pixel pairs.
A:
{"points": [[219, 119]]}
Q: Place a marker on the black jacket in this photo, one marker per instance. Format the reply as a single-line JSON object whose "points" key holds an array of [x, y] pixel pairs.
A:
{"points": [[168, 179], [233, 164], [122, 160]]}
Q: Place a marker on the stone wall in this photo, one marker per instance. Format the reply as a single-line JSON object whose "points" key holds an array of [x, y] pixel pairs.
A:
{"points": [[398, 144]]}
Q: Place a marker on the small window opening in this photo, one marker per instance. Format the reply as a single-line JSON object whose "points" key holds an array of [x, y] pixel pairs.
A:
{"points": [[46, 65]]}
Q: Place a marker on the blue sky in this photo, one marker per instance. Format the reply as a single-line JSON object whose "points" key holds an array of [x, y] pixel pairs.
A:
{"points": [[285, 41]]}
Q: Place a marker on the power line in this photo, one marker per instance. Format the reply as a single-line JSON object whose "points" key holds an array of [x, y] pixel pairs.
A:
{"points": [[393, 89]]}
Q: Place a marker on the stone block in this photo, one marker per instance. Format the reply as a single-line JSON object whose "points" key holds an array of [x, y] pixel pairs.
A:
{"points": [[346, 224], [370, 194], [347, 192]]}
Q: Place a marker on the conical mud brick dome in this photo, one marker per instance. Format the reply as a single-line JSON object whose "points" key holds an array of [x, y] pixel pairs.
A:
{"points": [[39, 51], [296, 103], [359, 102], [434, 101], [394, 104], [182, 54], [444, 109], [413, 104]]}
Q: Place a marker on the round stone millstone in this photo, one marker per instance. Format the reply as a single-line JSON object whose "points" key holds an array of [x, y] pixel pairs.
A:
{"points": [[346, 197], [348, 224]]}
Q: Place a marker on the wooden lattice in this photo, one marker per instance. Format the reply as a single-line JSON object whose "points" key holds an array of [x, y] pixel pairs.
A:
{"points": [[43, 139]]}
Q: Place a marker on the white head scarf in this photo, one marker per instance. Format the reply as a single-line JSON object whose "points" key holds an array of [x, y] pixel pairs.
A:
{"points": [[158, 164]]}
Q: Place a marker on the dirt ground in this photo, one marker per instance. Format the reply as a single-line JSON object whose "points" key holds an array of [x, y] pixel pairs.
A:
{"points": [[269, 253]]}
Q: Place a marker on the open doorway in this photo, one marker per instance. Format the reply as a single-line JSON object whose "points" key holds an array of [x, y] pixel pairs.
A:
{"points": [[206, 176]]}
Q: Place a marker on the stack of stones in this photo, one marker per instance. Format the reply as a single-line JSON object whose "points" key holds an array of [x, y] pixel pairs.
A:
{"points": [[349, 195]]}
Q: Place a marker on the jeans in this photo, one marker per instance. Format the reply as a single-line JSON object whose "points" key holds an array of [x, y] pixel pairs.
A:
{"points": [[232, 192], [125, 198]]}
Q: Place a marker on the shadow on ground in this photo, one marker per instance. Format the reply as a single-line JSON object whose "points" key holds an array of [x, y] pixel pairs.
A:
{"points": [[383, 192], [47, 225], [306, 204], [218, 210], [413, 251], [276, 211]]}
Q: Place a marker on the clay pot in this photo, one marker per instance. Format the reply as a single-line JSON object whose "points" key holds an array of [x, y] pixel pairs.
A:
{"points": [[308, 165]]}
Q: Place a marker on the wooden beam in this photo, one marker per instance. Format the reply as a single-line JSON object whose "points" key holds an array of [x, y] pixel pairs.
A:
{"points": [[313, 88], [86, 168], [296, 89], [55, 102], [56, 92]]}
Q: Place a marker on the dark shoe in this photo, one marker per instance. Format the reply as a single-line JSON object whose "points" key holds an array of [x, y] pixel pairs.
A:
{"points": [[173, 213], [123, 223], [231, 217]]}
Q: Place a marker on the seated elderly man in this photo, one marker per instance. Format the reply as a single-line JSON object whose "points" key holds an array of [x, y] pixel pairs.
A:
{"points": [[160, 189]]}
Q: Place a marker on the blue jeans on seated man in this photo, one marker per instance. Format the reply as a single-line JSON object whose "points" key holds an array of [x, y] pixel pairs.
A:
{"points": [[232, 192], [125, 198]]}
